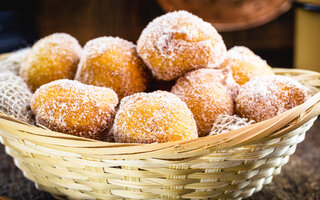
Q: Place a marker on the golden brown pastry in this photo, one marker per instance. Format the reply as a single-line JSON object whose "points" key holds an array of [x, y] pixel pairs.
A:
{"points": [[245, 64], [113, 62], [264, 97], [53, 57], [207, 94], [178, 42], [71, 107], [153, 117]]}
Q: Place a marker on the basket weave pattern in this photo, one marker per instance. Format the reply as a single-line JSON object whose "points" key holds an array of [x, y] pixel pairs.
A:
{"points": [[232, 165]]}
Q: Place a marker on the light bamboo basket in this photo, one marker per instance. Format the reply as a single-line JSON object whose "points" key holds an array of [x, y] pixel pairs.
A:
{"points": [[232, 165]]}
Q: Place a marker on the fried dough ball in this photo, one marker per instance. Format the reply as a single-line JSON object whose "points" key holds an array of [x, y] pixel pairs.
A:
{"points": [[178, 42], [207, 95], [71, 107], [264, 97], [53, 57], [218, 76], [245, 64], [113, 62], [153, 117]]}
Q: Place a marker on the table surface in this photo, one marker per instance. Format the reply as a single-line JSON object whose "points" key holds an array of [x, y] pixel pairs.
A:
{"points": [[299, 179]]}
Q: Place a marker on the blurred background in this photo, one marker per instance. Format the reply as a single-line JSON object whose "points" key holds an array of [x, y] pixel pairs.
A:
{"points": [[283, 32]]}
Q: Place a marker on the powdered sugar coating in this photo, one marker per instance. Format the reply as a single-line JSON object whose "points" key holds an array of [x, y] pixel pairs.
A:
{"points": [[216, 76], [178, 42], [206, 94], [15, 97], [225, 123], [113, 62], [51, 58], [264, 97], [71, 107], [245, 64], [153, 117]]}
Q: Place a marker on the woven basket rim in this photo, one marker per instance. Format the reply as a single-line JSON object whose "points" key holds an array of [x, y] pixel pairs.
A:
{"points": [[262, 131]]}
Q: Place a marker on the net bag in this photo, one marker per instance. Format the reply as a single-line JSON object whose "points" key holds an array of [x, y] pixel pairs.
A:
{"points": [[15, 97], [13, 61], [225, 123]]}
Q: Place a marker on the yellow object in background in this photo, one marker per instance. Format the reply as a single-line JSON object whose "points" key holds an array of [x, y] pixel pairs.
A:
{"points": [[307, 35]]}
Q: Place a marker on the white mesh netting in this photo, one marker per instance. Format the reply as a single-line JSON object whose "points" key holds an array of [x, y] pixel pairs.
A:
{"points": [[15, 97], [13, 61], [225, 123]]}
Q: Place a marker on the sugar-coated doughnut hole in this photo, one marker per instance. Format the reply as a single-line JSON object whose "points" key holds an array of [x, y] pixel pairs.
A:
{"points": [[51, 58], [178, 42], [113, 62], [245, 64], [71, 107], [264, 97], [206, 94], [216, 76], [153, 117]]}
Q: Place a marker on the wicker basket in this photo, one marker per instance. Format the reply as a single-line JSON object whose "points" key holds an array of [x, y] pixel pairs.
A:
{"points": [[232, 165]]}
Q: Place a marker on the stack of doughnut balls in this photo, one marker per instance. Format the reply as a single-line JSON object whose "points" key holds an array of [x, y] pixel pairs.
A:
{"points": [[105, 90]]}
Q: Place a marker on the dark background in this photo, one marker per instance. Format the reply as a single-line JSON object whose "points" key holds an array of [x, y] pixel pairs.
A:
{"points": [[23, 22]]}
